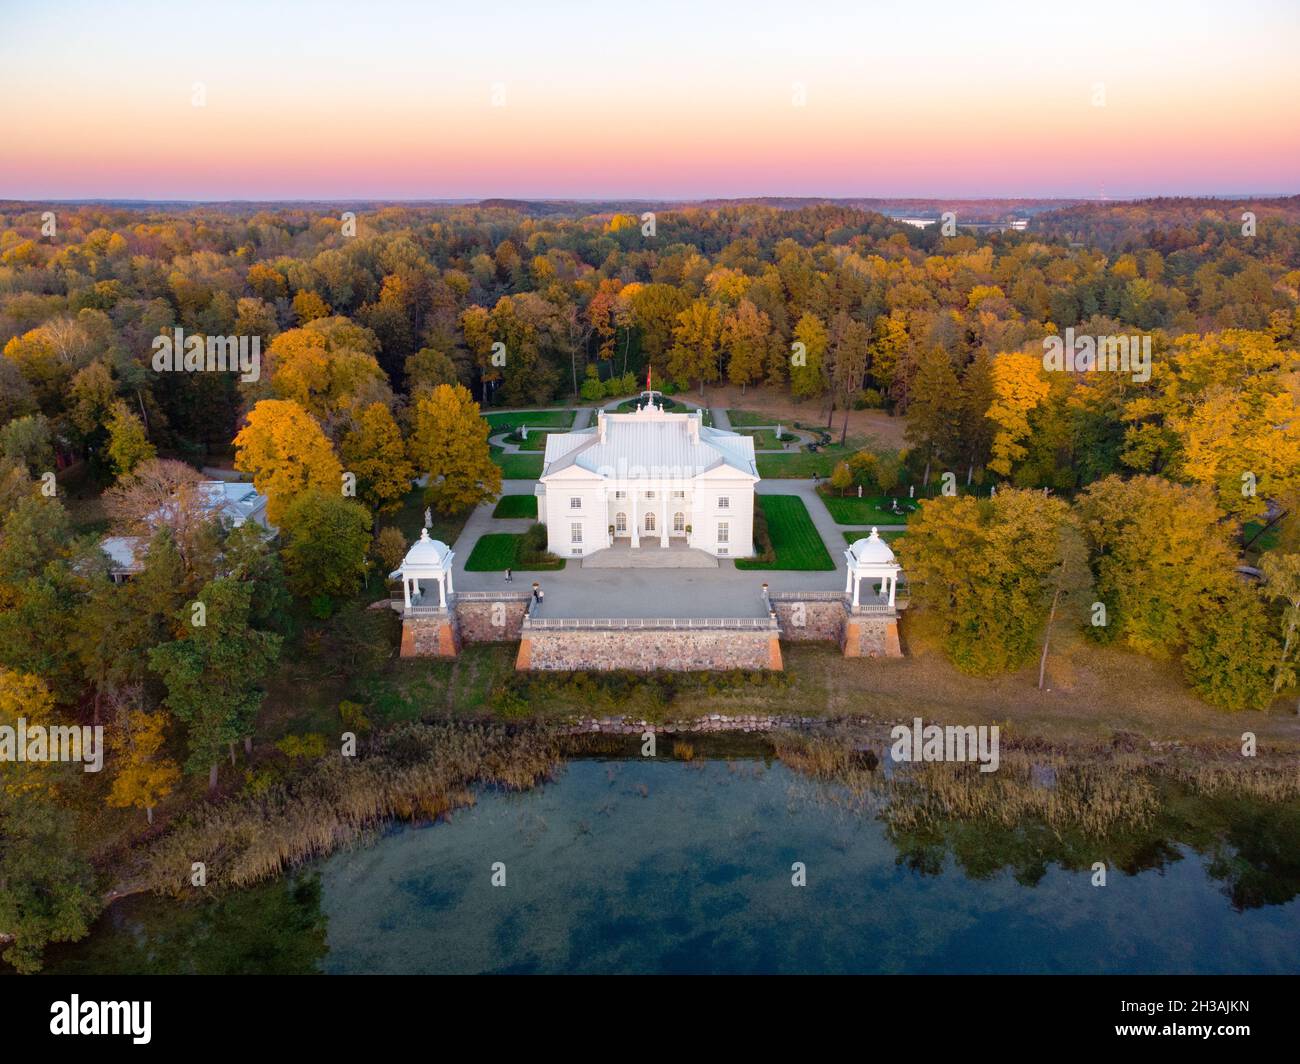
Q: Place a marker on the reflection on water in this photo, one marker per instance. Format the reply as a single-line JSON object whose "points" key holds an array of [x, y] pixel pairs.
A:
{"points": [[664, 866]]}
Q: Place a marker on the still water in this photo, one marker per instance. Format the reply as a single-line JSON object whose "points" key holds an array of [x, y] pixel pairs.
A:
{"points": [[669, 866]]}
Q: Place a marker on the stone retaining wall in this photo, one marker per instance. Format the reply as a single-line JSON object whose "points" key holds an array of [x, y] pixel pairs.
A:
{"points": [[496, 620], [649, 650], [430, 636], [813, 620], [871, 637]]}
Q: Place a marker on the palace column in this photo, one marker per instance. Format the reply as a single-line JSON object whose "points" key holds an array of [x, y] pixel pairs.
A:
{"points": [[636, 522], [663, 518]]}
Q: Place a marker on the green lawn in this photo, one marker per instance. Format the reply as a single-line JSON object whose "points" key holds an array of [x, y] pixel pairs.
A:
{"points": [[516, 506], [765, 439], [536, 441], [524, 551], [868, 510], [1267, 541], [801, 465], [795, 539], [552, 419], [852, 535], [742, 418], [518, 466]]}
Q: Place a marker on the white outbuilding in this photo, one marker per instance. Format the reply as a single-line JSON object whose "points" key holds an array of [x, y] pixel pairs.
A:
{"points": [[871, 559], [428, 559]]}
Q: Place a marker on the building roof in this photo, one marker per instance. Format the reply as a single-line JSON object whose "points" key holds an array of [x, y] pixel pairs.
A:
{"points": [[871, 550], [650, 444], [121, 551], [233, 499]]}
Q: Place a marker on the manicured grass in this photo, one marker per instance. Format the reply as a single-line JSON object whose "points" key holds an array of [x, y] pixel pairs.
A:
{"points": [[868, 510], [852, 535], [516, 506], [493, 552], [556, 419], [536, 441], [518, 466], [765, 439], [795, 540], [1266, 542], [800, 465], [410, 519], [497, 551], [742, 418]]}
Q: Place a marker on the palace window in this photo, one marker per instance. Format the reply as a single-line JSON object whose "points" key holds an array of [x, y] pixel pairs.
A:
{"points": [[679, 522], [620, 495], [620, 524], [679, 495], [649, 494], [724, 532], [724, 502], [650, 522], [575, 502], [575, 532]]}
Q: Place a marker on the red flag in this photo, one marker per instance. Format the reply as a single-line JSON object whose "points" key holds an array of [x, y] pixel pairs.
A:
{"points": [[649, 372]]}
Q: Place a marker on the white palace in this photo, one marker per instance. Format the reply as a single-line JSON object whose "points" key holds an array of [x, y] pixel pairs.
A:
{"points": [[651, 478]]}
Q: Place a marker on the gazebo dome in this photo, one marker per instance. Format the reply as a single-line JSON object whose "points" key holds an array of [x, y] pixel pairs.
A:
{"points": [[872, 550], [426, 553]]}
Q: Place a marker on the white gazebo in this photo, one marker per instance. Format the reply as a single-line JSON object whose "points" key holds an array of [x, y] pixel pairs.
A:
{"points": [[428, 559], [871, 559]]}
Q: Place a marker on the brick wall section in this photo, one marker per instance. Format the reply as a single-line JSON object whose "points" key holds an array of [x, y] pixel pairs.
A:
{"points": [[810, 621], [490, 620], [649, 651]]}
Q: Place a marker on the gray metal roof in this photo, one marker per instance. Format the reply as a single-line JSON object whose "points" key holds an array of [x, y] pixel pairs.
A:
{"points": [[650, 444]]}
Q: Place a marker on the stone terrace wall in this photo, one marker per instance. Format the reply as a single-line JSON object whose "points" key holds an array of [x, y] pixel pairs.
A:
{"points": [[495, 618], [807, 619], [649, 650], [871, 637], [431, 635]]}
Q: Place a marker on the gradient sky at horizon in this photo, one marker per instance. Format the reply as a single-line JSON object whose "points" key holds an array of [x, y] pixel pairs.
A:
{"points": [[395, 100]]}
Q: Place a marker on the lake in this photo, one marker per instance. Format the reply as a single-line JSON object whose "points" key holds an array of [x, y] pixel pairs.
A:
{"points": [[630, 865]]}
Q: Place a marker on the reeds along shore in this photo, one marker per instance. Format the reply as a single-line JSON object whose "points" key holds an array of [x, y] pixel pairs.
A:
{"points": [[413, 772], [424, 771], [1094, 789]]}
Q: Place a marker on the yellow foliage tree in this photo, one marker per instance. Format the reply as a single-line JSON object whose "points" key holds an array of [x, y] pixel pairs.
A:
{"points": [[144, 779], [1018, 387], [376, 453], [24, 695], [286, 452], [450, 445]]}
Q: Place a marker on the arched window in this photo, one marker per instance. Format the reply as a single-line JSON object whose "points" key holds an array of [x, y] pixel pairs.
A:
{"points": [[650, 522], [679, 522], [620, 524]]}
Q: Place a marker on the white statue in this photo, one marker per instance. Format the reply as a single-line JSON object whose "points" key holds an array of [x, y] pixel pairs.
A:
{"points": [[428, 518], [523, 432]]}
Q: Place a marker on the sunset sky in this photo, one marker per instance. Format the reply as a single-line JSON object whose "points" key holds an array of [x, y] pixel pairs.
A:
{"points": [[386, 99]]}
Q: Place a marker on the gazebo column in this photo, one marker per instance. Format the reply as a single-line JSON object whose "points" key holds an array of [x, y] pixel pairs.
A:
{"points": [[406, 589], [450, 588], [856, 584], [442, 591], [893, 583], [848, 580]]}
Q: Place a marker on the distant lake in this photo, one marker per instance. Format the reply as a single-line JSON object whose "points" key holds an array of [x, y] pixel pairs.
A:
{"points": [[671, 866]]}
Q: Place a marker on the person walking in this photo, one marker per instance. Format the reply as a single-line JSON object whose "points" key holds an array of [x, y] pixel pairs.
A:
{"points": [[540, 596], [509, 576]]}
